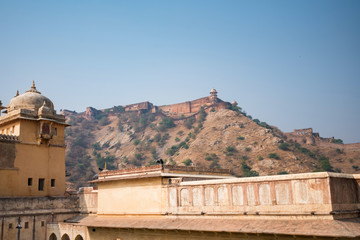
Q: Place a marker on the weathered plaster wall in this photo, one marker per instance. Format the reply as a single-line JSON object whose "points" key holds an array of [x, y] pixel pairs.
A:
{"points": [[73, 231], [88, 200], [137, 196], [36, 162], [7, 154], [34, 214], [303, 195], [186, 107], [138, 106]]}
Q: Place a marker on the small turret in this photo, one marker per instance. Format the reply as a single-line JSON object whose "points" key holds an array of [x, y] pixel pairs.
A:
{"points": [[213, 96]]}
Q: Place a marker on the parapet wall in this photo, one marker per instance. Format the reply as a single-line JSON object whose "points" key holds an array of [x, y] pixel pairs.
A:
{"points": [[138, 106], [37, 205], [189, 107], [311, 195]]}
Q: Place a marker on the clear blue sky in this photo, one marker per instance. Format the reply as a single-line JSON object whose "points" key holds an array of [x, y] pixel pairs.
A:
{"points": [[293, 64]]}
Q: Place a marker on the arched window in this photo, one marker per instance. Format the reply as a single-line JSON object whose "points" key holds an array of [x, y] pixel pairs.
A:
{"points": [[79, 237], [65, 237], [53, 237]]}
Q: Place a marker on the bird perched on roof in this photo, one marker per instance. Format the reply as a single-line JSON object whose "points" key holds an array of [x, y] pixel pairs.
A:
{"points": [[160, 161]]}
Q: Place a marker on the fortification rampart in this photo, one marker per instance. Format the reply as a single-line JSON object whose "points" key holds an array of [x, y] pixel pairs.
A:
{"points": [[307, 136], [138, 106]]}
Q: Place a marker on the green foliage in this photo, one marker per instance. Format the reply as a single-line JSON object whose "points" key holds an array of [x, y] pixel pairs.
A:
{"points": [[104, 121], [187, 162], [180, 133], [257, 121], [139, 156], [81, 140], [248, 149], [325, 164], [244, 157], [172, 162], [229, 151], [175, 148], [136, 142], [211, 157], [120, 126], [274, 156], [356, 168], [247, 170], [157, 137], [304, 150], [202, 115], [164, 139], [166, 123], [154, 153], [284, 146], [212, 110], [260, 158], [265, 125], [177, 139], [241, 138], [282, 172], [105, 145], [339, 151], [214, 160], [215, 164], [96, 146], [338, 141], [188, 123], [100, 161], [307, 152], [118, 109], [235, 108]]}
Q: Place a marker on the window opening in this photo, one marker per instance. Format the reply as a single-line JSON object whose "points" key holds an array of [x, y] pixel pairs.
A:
{"points": [[29, 181], [52, 182], [41, 184]]}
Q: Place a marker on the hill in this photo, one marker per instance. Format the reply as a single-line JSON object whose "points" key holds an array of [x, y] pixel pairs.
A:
{"points": [[207, 132]]}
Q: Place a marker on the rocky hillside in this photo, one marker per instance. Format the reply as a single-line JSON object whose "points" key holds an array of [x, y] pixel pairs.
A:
{"points": [[218, 138]]}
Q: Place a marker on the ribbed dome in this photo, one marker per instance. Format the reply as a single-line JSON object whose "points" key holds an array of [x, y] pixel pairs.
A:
{"points": [[31, 100]]}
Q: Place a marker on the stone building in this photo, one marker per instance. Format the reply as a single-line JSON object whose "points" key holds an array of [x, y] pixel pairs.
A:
{"points": [[32, 167], [167, 202]]}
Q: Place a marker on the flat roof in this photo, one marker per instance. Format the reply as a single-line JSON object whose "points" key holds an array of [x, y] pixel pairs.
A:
{"points": [[324, 228], [163, 171]]}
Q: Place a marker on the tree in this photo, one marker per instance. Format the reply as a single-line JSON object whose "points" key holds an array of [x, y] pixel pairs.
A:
{"points": [[187, 162], [274, 156], [284, 146]]}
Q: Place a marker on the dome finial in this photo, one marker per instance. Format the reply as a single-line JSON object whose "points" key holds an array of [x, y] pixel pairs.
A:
{"points": [[17, 93], [33, 88]]}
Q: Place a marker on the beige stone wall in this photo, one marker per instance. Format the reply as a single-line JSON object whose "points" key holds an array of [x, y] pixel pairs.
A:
{"points": [[34, 214], [31, 159], [186, 107], [73, 231], [299, 196], [136, 196], [88, 200], [36, 162], [7, 154]]}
